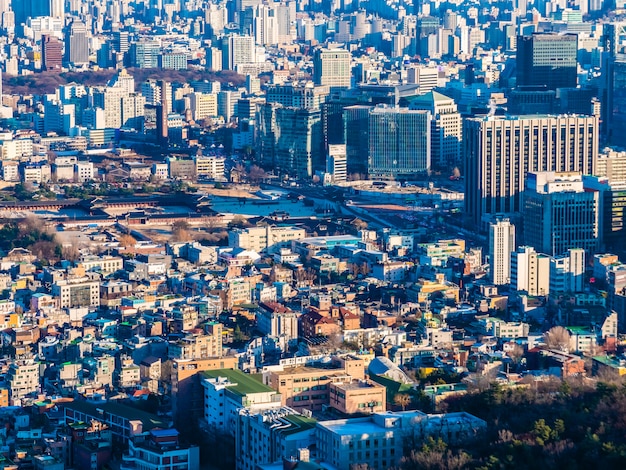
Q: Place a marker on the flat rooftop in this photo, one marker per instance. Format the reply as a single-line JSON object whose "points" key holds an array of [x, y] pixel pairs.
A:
{"points": [[243, 384]]}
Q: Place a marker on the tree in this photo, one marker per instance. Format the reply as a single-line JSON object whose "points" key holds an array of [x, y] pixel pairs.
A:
{"points": [[557, 337], [256, 174], [359, 224], [127, 241], [402, 399]]}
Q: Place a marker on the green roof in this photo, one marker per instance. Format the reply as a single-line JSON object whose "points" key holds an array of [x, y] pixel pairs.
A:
{"points": [[244, 384]]}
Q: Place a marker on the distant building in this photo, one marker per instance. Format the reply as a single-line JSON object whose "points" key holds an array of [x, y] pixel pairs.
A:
{"points": [[530, 271], [446, 128], [500, 151], [76, 44], [332, 67], [559, 214], [501, 245], [547, 59], [51, 53], [378, 440], [399, 142]]}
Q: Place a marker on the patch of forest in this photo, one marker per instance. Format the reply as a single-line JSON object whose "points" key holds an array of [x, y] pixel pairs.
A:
{"points": [[48, 82]]}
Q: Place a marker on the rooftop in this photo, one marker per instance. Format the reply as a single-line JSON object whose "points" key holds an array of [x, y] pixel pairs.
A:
{"points": [[243, 384], [148, 420]]}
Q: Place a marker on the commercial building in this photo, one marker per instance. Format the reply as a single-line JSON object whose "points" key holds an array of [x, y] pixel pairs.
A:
{"points": [[51, 53], [237, 50], [501, 245], [446, 129], [298, 94], [77, 44], [332, 67], [79, 292], [500, 151], [290, 139], [559, 214], [399, 142], [547, 59]]}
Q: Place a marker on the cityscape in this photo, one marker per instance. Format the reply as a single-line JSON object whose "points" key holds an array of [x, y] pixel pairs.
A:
{"points": [[312, 235]]}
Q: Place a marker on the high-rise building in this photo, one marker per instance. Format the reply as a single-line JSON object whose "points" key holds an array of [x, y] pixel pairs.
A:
{"points": [[76, 44], [499, 151], [237, 50], [356, 128], [446, 128], [547, 59], [399, 142], [51, 53], [145, 54], [501, 245], [298, 95], [332, 67], [613, 89], [559, 214], [530, 271], [290, 139], [25, 9], [611, 211]]}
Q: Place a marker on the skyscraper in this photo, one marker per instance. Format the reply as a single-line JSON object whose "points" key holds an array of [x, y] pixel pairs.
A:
{"points": [[399, 142], [547, 59], [290, 139], [446, 128], [25, 9], [76, 44], [332, 67], [499, 151], [51, 53], [356, 128], [501, 245], [559, 214]]}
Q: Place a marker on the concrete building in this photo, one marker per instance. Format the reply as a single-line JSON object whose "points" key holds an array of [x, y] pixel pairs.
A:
{"points": [[530, 271], [80, 292], [358, 396], [267, 436], [567, 271], [332, 67], [501, 245], [264, 238], [500, 151], [210, 167], [77, 44], [160, 449], [22, 379], [198, 346], [559, 214], [237, 50], [378, 440], [273, 319], [307, 387], [227, 391]]}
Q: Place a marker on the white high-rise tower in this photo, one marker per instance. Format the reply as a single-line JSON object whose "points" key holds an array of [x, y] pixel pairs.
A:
{"points": [[501, 245]]}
